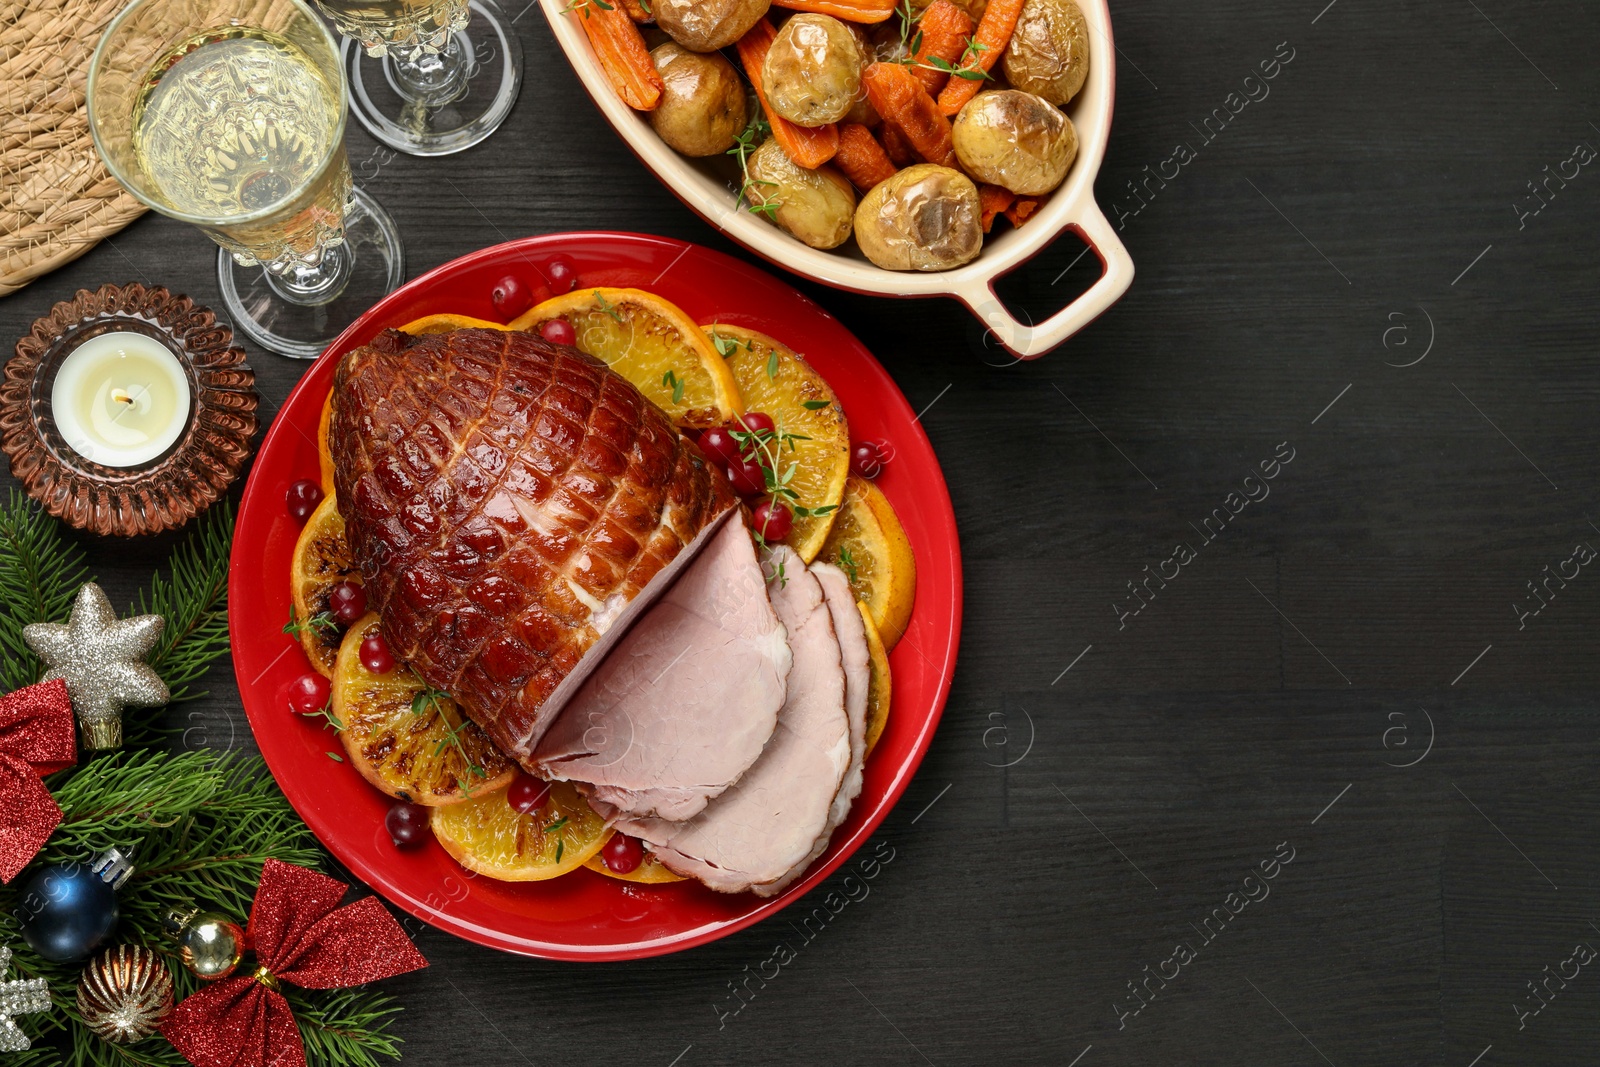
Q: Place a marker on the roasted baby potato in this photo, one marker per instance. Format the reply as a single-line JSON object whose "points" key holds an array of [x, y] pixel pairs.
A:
{"points": [[703, 106], [812, 75], [813, 205], [1015, 140], [1049, 52], [926, 217], [707, 25]]}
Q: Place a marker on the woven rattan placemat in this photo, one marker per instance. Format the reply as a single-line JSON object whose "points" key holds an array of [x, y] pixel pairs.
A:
{"points": [[56, 198]]}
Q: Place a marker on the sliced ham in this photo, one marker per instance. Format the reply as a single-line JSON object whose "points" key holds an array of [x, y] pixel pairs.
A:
{"points": [[857, 661], [686, 700], [765, 828]]}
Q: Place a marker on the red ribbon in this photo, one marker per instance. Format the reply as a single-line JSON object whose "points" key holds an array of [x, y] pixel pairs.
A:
{"points": [[36, 738], [301, 936]]}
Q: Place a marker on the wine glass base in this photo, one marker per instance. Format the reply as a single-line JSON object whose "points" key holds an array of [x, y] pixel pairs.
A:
{"points": [[289, 327], [471, 110]]}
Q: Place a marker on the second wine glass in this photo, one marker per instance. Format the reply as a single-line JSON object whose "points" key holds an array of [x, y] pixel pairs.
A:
{"points": [[428, 77]]}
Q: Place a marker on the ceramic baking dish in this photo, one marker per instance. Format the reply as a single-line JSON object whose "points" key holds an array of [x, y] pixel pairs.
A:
{"points": [[708, 192]]}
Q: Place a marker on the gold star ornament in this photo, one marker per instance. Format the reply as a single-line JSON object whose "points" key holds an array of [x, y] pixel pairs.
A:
{"points": [[101, 658]]}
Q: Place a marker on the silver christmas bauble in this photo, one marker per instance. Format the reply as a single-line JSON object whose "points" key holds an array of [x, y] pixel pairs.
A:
{"points": [[124, 994]]}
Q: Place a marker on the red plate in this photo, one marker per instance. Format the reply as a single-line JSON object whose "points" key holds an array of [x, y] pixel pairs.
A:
{"points": [[583, 915]]}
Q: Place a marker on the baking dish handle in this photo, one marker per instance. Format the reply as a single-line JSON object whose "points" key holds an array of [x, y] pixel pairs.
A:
{"points": [[1029, 341]]}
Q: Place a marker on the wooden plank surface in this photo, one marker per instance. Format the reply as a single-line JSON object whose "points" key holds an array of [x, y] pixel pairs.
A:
{"points": [[1269, 693]]}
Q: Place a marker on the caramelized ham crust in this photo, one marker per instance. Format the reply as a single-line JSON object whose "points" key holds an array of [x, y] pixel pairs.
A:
{"points": [[511, 504]]}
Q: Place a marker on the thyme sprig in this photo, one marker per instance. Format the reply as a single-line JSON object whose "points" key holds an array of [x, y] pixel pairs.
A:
{"points": [[847, 563], [748, 141], [966, 67], [606, 306], [323, 623], [431, 699], [909, 43], [727, 346]]}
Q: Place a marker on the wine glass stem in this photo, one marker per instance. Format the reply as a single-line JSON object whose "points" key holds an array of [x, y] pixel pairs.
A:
{"points": [[310, 286], [432, 80]]}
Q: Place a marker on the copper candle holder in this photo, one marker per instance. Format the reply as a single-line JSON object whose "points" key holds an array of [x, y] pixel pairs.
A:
{"points": [[167, 491]]}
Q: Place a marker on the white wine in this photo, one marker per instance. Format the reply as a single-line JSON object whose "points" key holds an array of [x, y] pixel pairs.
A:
{"points": [[405, 26], [240, 121]]}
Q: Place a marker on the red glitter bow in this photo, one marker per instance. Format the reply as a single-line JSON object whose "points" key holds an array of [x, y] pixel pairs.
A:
{"points": [[36, 738], [301, 936]]}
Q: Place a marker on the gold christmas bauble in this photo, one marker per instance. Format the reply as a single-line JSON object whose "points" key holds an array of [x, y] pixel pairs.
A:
{"points": [[211, 943], [124, 994]]}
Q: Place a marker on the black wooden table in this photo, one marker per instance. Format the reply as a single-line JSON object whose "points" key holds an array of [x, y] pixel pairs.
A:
{"points": [[1321, 788]]}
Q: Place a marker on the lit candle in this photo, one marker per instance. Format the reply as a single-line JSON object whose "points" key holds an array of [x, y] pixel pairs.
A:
{"points": [[121, 399]]}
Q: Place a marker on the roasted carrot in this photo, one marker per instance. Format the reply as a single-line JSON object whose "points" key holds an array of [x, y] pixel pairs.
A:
{"points": [[994, 33], [992, 200], [1024, 208], [809, 147], [637, 11], [622, 54], [861, 157], [942, 34], [849, 10], [900, 152], [906, 105]]}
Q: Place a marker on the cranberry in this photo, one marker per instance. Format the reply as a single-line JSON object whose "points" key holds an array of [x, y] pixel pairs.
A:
{"points": [[562, 274], [407, 824], [308, 694], [510, 297], [348, 602], [303, 498], [866, 459], [527, 794], [623, 854], [773, 520], [747, 477], [757, 422], [559, 332], [718, 443], [375, 654]]}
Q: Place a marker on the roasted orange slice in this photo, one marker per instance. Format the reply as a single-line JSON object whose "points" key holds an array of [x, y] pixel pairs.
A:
{"points": [[321, 560], [488, 836], [324, 453], [775, 380], [879, 689], [651, 343], [410, 741], [445, 323], [868, 543]]}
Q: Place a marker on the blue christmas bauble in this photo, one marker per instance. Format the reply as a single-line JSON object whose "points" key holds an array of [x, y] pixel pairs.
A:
{"points": [[67, 911]]}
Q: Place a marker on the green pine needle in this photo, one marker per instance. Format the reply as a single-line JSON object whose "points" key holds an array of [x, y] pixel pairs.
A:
{"points": [[202, 824], [39, 576], [193, 598]]}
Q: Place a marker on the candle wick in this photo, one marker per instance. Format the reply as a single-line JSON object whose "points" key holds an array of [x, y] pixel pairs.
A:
{"points": [[129, 401]]}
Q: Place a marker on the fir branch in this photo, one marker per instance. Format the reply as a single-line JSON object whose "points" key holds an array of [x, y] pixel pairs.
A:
{"points": [[39, 576], [193, 598], [347, 1027], [202, 824]]}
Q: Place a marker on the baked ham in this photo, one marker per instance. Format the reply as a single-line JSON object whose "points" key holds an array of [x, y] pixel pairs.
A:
{"points": [[512, 506]]}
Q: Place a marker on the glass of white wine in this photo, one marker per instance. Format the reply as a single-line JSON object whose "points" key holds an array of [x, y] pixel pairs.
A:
{"points": [[428, 77], [230, 114]]}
